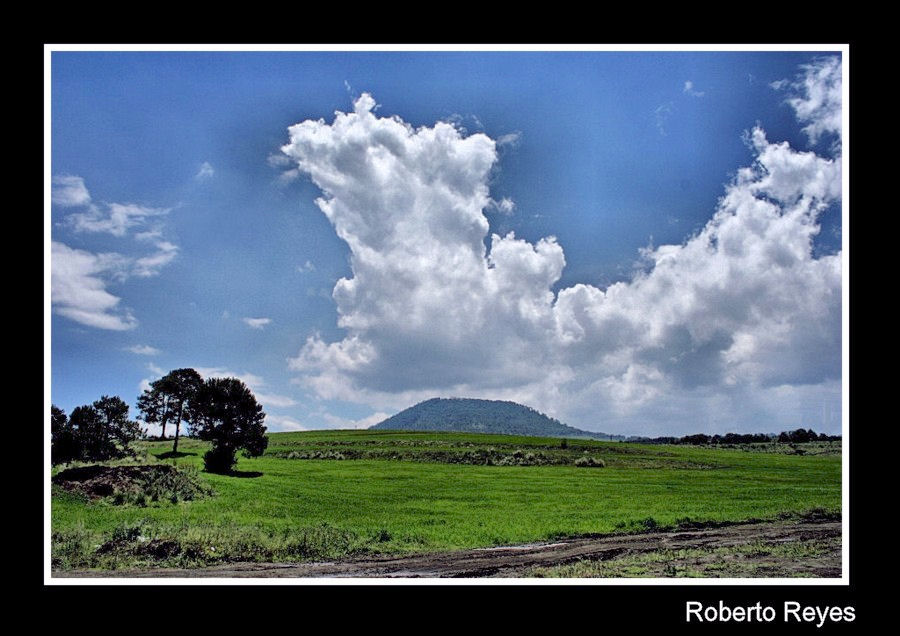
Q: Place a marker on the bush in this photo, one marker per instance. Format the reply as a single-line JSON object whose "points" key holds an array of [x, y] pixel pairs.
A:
{"points": [[219, 459], [590, 462]]}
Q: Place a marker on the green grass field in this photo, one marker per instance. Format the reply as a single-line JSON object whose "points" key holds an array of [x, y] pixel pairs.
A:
{"points": [[410, 492]]}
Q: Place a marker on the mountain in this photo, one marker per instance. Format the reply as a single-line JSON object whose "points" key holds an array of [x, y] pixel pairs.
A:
{"points": [[468, 415]]}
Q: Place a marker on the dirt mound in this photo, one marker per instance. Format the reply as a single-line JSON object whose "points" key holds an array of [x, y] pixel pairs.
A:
{"points": [[133, 484]]}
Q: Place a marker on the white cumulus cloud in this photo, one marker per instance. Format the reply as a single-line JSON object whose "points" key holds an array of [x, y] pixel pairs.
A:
{"points": [[736, 311], [817, 96]]}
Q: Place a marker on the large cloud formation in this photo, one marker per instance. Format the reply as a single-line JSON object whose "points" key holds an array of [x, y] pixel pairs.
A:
{"points": [[740, 312]]}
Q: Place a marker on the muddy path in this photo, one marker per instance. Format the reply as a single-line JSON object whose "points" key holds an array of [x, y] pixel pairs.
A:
{"points": [[515, 561]]}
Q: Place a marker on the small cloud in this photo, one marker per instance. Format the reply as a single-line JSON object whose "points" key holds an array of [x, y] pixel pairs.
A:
{"points": [[319, 292], [150, 265], [817, 98], [510, 139], [206, 171], [661, 114], [504, 205], [250, 379], [149, 235], [143, 350], [689, 89], [225, 314], [456, 120], [273, 400], [69, 191], [282, 423], [306, 267], [362, 423], [115, 219], [257, 323]]}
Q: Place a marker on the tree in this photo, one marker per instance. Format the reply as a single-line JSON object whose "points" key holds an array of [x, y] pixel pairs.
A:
{"points": [[113, 413], [95, 432], [94, 444], [182, 386], [64, 446], [170, 397], [153, 405], [226, 413]]}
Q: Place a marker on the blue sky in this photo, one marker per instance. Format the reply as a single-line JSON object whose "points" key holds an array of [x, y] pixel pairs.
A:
{"points": [[693, 283]]}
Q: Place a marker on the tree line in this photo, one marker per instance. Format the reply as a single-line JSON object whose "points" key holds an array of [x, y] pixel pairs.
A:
{"points": [[223, 411], [799, 436]]}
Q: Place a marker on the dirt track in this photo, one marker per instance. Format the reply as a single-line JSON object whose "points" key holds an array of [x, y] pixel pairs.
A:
{"points": [[513, 561]]}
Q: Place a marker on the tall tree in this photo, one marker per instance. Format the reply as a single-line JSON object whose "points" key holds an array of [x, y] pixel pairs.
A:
{"points": [[113, 414], [153, 405], [228, 415], [171, 397], [182, 386]]}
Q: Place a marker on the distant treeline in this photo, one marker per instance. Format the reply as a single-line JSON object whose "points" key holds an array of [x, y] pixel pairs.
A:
{"points": [[799, 436]]}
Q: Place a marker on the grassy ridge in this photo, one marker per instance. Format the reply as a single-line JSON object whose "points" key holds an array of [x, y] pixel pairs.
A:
{"points": [[290, 509]]}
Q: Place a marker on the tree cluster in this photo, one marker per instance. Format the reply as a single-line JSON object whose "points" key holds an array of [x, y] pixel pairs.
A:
{"points": [[171, 399], [701, 439], [95, 432], [801, 436], [219, 410]]}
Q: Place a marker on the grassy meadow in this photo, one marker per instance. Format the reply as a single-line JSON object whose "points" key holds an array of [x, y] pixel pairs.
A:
{"points": [[333, 494]]}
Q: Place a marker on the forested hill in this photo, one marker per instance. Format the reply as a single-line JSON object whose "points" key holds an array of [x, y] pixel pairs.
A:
{"points": [[481, 416]]}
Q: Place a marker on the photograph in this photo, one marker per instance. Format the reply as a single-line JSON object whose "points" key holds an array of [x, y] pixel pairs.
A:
{"points": [[518, 315]]}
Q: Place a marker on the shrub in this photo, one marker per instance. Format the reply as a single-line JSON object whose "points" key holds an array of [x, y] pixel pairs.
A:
{"points": [[219, 459], [590, 462]]}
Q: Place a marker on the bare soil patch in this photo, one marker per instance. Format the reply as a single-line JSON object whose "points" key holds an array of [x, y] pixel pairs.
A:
{"points": [[706, 546]]}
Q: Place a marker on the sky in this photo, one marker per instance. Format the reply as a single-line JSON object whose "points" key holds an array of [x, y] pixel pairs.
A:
{"points": [[640, 243]]}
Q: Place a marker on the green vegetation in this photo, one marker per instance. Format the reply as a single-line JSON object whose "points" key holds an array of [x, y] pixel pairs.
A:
{"points": [[481, 416], [97, 432], [228, 415], [394, 499], [172, 397], [760, 559], [139, 485]]}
